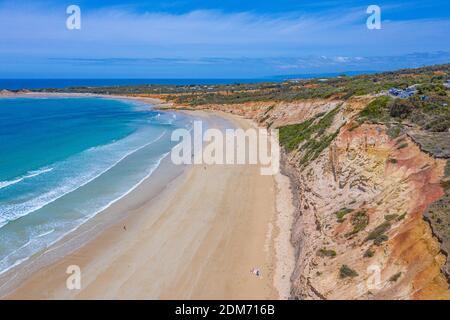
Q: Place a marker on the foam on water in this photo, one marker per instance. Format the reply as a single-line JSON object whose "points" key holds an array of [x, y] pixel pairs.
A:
{"points": [[43, 205], [71, 174], [31, 174]]}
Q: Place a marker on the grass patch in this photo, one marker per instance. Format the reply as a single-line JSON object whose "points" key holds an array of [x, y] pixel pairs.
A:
{"points": [[347, 272]]}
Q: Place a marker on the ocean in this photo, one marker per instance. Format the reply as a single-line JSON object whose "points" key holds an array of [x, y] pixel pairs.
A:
{"points": [[63, 160]]}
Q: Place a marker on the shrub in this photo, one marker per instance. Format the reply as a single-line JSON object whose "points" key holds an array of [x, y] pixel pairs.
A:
{"points": [[401, 217], [376, 108], [354, 125], [393, 132], [345, 272], [438, 125], [326, 253], [390, 217], [379, 231], [432, 88], [395, 277], [380, 239], [292, 135], [447, 168], [342, 213], [445, 185], [400, 108], [369, 253], [403, 145]]}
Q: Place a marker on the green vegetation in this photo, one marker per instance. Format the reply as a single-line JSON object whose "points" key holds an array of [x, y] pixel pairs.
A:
{"points": [[360, 220], [326, 253], [447, 168], [445, 184], [292, 135], [313, 148], [438, 216], [429, 108], [340, 214], [403, 145], [375, 110], [401, 217], [400, 108], [346, 272], [390, 217], [394, 131], [309, 135], [369, 253], [378, 234], [354, 125], [432, 87], [380, 239], [395, 277]]}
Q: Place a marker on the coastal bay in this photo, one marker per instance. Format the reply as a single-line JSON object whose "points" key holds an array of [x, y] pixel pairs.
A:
{"points": [[191, 232]]}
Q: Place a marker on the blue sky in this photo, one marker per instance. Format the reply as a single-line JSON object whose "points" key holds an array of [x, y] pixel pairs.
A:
{"points": [[217, 38]]}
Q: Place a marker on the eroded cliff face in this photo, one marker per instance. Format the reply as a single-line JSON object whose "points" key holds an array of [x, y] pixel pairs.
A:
{"points": [[359, 231], [365, 173]]}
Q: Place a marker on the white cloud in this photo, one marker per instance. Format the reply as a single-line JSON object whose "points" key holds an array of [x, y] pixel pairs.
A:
{"points": [[249, 43], [118, 33]]}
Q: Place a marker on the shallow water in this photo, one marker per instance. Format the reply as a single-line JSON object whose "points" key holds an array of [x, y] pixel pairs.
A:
{"points": [[65, 159]]}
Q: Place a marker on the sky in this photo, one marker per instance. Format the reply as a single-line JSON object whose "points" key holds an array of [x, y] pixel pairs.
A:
{"points": [[218, 38]]}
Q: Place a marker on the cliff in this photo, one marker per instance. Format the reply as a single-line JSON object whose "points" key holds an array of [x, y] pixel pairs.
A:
{"points": [[362, 193]]}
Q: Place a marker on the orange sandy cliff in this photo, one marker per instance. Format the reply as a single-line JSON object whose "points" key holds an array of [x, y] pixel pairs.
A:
{"points": [[388, 182]]}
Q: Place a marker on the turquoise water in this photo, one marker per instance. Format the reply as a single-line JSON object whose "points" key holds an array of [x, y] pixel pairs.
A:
{"points": [[65, 159]]}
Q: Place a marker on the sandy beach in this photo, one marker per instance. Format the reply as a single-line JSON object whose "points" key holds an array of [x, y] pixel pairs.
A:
{"points": [[192, 232]]}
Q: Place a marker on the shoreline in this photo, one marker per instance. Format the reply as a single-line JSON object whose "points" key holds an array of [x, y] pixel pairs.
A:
{"points": [[108, 226], [165, 173]]}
